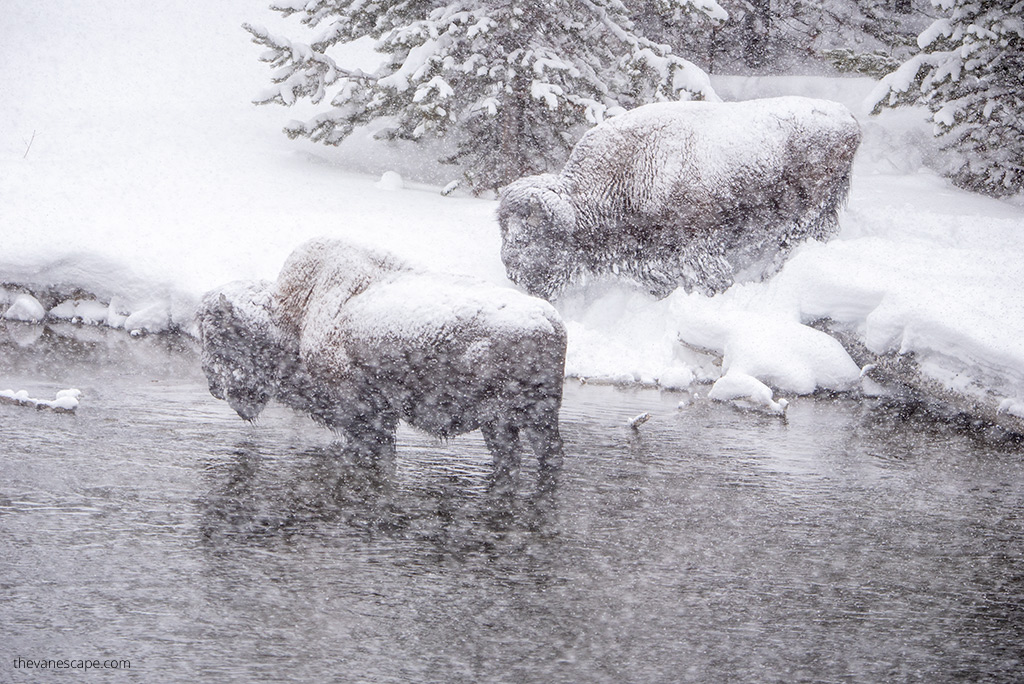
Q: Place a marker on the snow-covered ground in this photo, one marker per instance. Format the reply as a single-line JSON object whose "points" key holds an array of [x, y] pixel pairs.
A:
{"points": [[134, 169]]}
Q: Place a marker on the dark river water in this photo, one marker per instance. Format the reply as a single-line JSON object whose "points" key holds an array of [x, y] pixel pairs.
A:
{"points": [[847, 544]]}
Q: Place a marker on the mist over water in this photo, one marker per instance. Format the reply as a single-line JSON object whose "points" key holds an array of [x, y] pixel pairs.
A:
{"points": [[846, 544]]}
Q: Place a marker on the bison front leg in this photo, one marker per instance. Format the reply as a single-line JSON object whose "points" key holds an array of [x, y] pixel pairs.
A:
{"points": [[372, 437], [368, 426], [704, 267]]}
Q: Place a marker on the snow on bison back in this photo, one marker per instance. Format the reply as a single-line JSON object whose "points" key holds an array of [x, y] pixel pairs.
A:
{"points": [[691, 194], [361, 340]]}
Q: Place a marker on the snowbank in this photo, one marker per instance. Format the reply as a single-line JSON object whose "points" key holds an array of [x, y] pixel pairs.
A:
{"points": [[151, 179]]}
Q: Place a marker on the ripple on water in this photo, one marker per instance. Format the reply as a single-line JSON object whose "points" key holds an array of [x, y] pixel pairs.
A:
{"points": [[842, 544]]}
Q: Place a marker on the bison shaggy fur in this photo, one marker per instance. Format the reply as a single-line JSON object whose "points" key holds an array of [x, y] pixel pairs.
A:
{"points": [[360, 340], [691, 194]]}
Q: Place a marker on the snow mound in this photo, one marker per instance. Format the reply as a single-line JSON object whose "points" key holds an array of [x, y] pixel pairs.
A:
{"points": [[66, 400], [746, 391], [390, 180], [151, 319], [92, 289], [25, 308], [89, 312], [766, 344]]}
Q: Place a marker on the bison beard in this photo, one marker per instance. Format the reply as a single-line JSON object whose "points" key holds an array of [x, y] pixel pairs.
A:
{"points": [[689, 194], [359, 340]]}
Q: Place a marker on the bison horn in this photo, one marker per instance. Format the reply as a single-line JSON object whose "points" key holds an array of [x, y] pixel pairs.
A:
{"points": [[224, 306]]}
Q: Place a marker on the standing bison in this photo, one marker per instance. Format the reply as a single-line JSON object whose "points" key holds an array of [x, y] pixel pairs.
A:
{"points": [[690, 194], [360, 340]]}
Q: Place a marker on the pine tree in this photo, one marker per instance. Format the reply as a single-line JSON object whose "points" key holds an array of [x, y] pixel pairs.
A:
{"points": [[511, 82], [758, 35], [870, 37], [688, 26], [970, 74]]}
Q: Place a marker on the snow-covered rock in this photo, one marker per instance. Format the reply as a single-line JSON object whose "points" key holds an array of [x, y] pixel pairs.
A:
{"points": [[26, 308], [746, 391], [88, 311], [150, 319], [66, 400]]}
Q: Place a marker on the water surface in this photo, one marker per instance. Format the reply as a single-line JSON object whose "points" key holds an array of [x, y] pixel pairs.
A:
{"points": [[847, 544]]}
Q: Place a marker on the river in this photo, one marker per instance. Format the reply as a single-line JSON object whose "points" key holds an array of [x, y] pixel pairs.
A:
{"points": [[848, 543]]}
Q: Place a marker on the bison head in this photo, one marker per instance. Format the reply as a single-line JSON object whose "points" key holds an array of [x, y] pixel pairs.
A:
{"points": [[537, 227], [240, 353]]}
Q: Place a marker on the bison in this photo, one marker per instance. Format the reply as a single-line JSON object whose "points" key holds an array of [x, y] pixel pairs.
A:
{"points": [[691, 194], [360, 340]]}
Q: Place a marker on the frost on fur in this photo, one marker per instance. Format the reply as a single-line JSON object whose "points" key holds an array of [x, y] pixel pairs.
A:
{"points": [[360, 340], [690, 194], [240, 352]]}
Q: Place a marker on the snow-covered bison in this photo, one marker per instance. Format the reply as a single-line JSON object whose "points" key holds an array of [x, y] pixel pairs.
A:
{"points": [[691, 194], [360, 340]]}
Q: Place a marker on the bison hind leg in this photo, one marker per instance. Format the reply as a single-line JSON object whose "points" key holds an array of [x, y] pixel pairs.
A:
{"points": [[502, 439], [826, 224], [546, 442]]}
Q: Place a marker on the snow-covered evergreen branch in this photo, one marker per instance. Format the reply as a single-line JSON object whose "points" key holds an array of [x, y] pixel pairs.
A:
{"points": [[511, 83], [301, 70], [970, 74]]}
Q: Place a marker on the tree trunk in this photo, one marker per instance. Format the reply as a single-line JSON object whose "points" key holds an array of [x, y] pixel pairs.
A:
{"points": [[756, 26], [512, 163]]}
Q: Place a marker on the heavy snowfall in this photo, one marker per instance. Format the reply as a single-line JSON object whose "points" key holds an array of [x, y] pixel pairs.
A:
{"points": [[814, 476], [137, 175]]}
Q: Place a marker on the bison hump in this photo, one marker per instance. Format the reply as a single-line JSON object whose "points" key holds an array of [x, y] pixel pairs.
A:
{"points": [[421, 310]]}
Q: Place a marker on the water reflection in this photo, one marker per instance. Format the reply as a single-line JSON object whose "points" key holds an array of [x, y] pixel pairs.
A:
{"points": [[252, 495], [255, 494]]}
